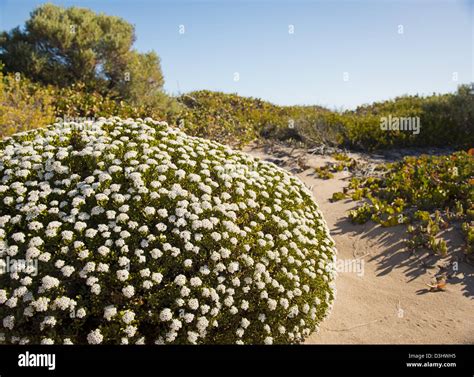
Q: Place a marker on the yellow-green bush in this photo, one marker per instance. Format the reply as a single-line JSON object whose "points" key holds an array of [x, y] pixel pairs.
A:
{"points": [[428, 192], [77, 101], [445, 120], [23, 105], [237, 120]]}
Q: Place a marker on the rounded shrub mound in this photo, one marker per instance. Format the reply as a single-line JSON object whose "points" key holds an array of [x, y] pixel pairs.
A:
{"points": [[131, 232]]}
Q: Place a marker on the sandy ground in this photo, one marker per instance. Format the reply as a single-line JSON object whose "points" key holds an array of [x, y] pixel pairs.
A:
{"points": [[382, 296]]}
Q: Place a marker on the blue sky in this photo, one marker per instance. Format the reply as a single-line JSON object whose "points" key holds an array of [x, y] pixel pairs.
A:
{"points": [[331, 38]]}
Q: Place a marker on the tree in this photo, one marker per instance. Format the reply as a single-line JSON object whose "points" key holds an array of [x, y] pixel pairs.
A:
{"points": [[145, 78], [63, 46]]}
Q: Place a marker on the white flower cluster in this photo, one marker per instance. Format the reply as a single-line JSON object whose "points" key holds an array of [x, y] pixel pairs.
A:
{"points": [[144, 235]]}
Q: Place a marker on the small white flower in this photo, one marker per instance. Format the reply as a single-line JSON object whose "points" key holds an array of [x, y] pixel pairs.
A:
{"points": [[195, 282], [91, 233], [95, 337], [81, 313], [95, 288], [67, 235], [122, 275], [180, 280], [128, 316], [128, 291], [110, 312], [192, 337], [18, 237], [188, 263], [193, 304], [49, 282], [150, 211], [166, 315], [268, 340], [9, 322]]}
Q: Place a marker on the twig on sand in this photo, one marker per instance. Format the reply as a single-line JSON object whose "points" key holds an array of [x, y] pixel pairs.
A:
{"points": [[353, 327], [360, 256]]}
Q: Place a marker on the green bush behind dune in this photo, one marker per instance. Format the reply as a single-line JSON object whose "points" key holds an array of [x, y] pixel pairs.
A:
{"points": [[71, 62]]}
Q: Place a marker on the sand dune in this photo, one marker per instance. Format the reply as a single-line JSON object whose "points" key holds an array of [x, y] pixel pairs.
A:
{"points": [[390, 302]]}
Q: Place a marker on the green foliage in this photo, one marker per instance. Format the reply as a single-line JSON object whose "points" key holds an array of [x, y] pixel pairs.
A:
{"points": [[219, 116], [342, 157], [146, 235], [358, 194], [445, 120], [364, 132], [89, 57], [428, 192], [237, 120], [468, 230], [146, 81], [338, 196], [316, 126], [323, 172], [439, 247], [23, 105], [362, 214], [69, 47], [344, 163], [422, 216], [76, 101], [64, 46]]}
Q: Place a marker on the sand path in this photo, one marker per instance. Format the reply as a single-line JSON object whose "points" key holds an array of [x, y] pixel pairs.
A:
{"points": [[389, 302]]}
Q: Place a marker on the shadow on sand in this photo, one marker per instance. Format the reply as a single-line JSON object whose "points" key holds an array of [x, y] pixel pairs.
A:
{"points": [[413, 264]]}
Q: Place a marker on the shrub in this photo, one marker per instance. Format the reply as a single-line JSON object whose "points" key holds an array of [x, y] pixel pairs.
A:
{"points": [[238, 120], [429, 192], [321, 127], [445, 120], [77, 102], [219, 116], [23, 105], [133, 232]]}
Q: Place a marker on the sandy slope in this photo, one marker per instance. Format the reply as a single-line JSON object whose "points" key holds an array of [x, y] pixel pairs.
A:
{"points": [[389, 302]]}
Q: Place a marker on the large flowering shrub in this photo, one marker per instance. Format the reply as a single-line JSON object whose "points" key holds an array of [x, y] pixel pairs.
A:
{"points": [[129, 231]]}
